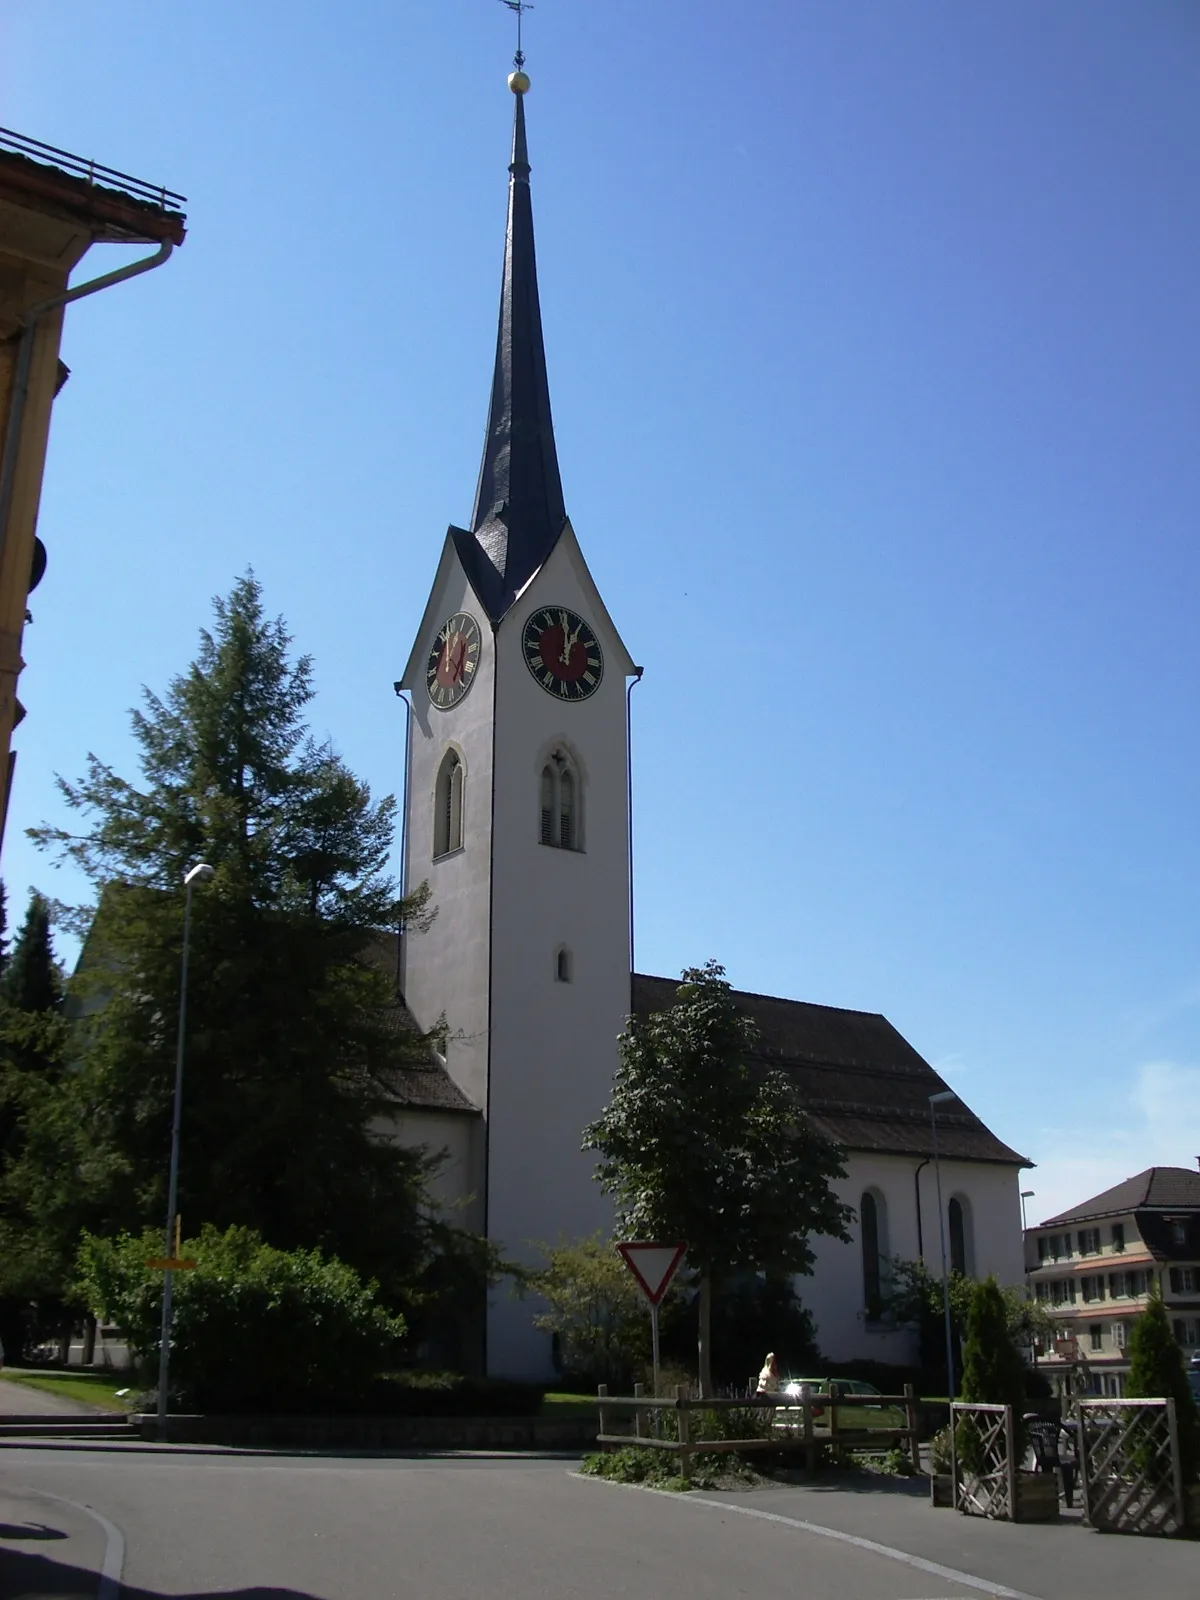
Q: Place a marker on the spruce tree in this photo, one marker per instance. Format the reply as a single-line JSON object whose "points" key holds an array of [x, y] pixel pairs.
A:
{"points": [[31, 980], [292, 1037], [1156, 1372], [993, 1371]]}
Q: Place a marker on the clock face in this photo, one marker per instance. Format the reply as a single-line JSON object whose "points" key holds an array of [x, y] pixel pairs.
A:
{"points": [[453, 661], [563, 653]]}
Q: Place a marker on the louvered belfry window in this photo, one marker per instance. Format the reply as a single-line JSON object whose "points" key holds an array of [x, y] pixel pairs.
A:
{"points": [[448, 806], [560, 797], [547, 834]]}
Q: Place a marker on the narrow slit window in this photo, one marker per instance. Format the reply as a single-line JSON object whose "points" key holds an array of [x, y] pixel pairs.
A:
{"points": [[562, 966]]}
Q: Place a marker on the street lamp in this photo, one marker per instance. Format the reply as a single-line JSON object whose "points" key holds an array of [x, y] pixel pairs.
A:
{"points": [[936, 1100], [1026, 1194], [200, 873]]}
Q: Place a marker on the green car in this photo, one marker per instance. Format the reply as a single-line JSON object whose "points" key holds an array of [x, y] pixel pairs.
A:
{"points": [[850, 1419]]}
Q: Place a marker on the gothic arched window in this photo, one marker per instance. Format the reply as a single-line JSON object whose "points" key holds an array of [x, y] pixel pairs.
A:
{"points": [[560, 820], [872, 1215], [448, 805], [962, 1243]]}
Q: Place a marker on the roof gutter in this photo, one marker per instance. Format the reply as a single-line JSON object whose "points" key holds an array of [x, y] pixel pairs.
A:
{"points": [[12, 441]]}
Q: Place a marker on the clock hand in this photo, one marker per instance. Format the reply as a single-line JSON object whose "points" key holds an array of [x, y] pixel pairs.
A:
{"points": [[566, 644]]}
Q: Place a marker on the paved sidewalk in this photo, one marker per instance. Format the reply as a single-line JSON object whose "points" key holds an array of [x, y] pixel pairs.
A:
{"points": [[1048, 1561], [20, 1400]]}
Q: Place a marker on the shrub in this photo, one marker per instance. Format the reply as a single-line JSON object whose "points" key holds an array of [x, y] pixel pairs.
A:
{"points": [[254, 1329], [993, 1371], [597, 1313], [1156, 1371]]}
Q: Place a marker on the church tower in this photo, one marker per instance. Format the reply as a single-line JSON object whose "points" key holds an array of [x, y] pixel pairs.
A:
{"points": [[518, 816]]}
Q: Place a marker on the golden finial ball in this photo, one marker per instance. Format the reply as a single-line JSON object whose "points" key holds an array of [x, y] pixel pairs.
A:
{"points": [[518, 82]]}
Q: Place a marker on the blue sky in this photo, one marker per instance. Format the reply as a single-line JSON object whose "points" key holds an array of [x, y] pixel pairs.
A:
{"points": [[874, 348]]}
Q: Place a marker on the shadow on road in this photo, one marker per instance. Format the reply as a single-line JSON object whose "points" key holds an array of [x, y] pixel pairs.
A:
{"points": [[872, 1483], [23, 1574]]}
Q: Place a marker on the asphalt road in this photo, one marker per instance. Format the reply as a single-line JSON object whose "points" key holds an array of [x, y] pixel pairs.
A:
{"points": [[186, 1524]]}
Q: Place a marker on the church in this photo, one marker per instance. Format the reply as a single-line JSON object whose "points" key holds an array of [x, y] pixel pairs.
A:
{"points": [[517, 814]]}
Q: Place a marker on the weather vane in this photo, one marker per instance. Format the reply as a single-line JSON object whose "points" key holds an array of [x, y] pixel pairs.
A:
{"points": [[520, 7]]}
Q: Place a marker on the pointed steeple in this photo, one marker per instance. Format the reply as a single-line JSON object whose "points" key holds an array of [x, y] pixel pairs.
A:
{"points": [[519, 510]]}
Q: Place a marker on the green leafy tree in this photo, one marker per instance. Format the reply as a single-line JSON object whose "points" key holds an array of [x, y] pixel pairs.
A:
{"points": [[1156, 1371], [254, 1327], [293, 1033], [595, 1309], [703, 1142], [916, 1297]]}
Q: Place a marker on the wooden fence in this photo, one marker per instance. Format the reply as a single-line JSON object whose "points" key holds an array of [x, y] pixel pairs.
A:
{"points": [[809, 1421]]}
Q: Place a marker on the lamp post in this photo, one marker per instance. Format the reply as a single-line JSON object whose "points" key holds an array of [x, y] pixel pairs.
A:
{"points": [[200, 873], [936, 1100], [1026, 1194]]}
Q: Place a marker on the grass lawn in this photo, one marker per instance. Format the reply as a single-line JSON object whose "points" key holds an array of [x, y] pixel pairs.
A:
{"points": [[92, 1388], [568, 1405]]}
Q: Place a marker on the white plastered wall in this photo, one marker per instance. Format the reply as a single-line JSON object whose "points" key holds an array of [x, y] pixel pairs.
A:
{"points": [[835, 1294], [553, 1044]]}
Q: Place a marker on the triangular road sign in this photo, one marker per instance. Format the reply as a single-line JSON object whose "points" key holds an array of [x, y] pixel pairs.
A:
{"points": [[653, 1265]]}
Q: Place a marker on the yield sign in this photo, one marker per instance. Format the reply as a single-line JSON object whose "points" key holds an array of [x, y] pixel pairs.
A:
{"points": [[653, 1265]]}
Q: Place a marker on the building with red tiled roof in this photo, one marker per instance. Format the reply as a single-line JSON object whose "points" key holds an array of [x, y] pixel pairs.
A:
{"points": [[1095, 1265]]}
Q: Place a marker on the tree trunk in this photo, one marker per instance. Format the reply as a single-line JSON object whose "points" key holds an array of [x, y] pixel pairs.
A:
{"points": [[705, 1349]]}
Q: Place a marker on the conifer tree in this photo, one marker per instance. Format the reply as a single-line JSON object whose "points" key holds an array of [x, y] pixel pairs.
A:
{"points": [[31, 979], [993, 1371], [1156, 1372], [292, 1036]]}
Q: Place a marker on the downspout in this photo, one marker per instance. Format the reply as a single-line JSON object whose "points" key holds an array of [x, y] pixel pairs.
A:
{"points": [[12, 442], [638, 671], [407, 704], [917, 1187]]}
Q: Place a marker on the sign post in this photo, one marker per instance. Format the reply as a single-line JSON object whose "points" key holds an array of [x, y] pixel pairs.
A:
{"points": [[653, 1265]]}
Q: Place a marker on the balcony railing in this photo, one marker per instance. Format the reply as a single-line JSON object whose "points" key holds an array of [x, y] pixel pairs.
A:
{"points": [[92, 172]]}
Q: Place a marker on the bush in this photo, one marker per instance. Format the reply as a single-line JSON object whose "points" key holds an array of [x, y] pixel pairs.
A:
{"points": [[254, 1329], [597, 1314], [1156, 1371]]}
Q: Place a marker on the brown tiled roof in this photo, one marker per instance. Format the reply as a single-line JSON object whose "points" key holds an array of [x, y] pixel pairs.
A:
{"points": [[422, 1084], [1170, 1188], [860, 1080]]}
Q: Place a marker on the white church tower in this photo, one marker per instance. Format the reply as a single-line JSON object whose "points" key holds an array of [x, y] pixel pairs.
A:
{"points": [[518, 817]]}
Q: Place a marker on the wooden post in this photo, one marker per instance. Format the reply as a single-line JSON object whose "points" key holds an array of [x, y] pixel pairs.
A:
{"points": [[1010, 1461], [682, 1403], [914, 1444], [1176, 1464], [810, 1444], [638, 1390], [835, 1393], [601, 1396]]}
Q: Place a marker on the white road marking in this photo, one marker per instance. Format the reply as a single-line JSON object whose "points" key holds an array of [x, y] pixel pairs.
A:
{"points": [[951, 1574], [111, 1568]]}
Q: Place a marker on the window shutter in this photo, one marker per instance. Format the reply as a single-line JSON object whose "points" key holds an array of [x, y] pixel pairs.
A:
{"points": [[566, 827], [547, 806], [1176, 1281]]}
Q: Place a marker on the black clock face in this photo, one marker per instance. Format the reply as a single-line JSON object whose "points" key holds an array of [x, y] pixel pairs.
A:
{"points": [[563, 653], [453, 661]]}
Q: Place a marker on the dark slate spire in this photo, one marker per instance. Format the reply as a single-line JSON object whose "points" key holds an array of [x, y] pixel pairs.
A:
{"points": [[519, 511]]}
